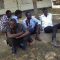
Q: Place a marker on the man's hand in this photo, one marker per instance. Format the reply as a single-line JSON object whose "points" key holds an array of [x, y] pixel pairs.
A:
{"points": [[18, 37], [23, 35]]}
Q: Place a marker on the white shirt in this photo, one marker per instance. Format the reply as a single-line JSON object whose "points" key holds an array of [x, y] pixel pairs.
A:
{"points": [[33, 21], [46, 21], [16, 18]]}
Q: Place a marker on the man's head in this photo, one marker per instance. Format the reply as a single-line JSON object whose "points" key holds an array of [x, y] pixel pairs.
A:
{"points": [[8, 13], [12, 23], [18, 13], [45, 11], [28, 15]]}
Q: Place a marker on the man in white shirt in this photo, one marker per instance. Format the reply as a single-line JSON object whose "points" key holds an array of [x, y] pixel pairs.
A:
{"points": [[46, 21], [18, 14], [47, 25]]}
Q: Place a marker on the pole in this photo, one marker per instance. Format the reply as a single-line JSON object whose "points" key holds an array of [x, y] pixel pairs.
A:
{"points": [[17, 4], [35, 8]]}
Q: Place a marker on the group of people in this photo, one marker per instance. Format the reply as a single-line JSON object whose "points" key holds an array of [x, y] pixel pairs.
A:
{"points": [[19, 34]]}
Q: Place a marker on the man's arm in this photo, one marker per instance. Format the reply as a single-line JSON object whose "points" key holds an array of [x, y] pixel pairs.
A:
{"points": [[25, 31], [23, 35], [13, 35]]}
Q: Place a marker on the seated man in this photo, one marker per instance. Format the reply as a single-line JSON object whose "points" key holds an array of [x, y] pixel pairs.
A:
{"points": [[4, 20], [18, 14], [14, 30], [31, 26], [46, 21], [47, 25]]}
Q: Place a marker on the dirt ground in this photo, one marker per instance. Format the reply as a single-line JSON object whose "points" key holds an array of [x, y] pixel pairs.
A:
{"points": [[40, 50]]}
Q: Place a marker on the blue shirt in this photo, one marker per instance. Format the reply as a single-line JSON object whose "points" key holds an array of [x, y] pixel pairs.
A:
{"points": [[32, 24]]}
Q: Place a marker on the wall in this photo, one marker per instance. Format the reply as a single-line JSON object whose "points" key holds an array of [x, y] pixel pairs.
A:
{"points": [[40, 4], [9, 5], [23, 5]]}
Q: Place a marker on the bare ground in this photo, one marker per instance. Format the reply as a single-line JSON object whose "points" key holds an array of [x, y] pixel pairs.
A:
{"points": [[40, 50]]}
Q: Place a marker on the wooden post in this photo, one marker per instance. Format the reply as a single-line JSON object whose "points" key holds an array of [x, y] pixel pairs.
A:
{"points": [[36, 15], [35, 8], [17, 4]]}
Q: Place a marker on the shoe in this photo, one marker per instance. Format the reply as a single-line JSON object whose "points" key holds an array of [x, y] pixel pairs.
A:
{"points": [[55, 44]]}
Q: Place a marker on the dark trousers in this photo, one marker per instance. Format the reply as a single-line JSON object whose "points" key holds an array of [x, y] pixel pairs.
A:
{"points": [[17, 42], [53, 30], [48, 29]]}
